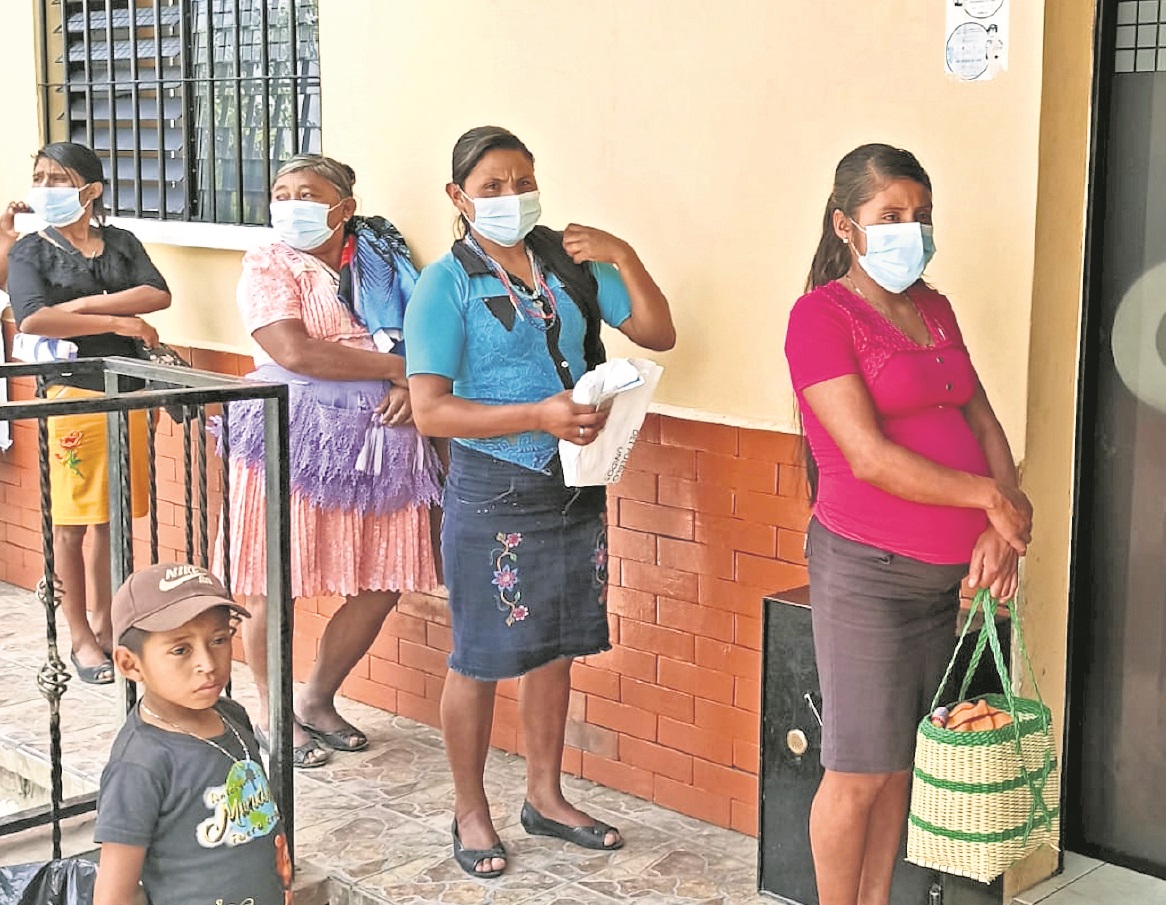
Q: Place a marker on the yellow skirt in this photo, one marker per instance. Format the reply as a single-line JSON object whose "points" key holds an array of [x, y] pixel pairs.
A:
{"points": [[78, 466]]}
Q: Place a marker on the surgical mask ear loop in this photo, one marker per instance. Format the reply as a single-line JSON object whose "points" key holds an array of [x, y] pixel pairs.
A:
{"points": [[473, 206]]}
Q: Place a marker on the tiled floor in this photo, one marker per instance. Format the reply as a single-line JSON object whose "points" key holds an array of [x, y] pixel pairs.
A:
{"points": [[1085, 881], [378, 821]]}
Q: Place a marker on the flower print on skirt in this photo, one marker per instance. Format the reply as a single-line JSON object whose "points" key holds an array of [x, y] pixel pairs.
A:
{"points": [[79, 463], [525, 562]]}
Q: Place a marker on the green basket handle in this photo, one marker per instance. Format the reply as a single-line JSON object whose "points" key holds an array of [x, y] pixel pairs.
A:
{"points": [[989, 638]]}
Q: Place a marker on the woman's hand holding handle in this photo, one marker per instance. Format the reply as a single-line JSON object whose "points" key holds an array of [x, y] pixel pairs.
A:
{"points": [[136, 328], [994, 565], [586, 243]]}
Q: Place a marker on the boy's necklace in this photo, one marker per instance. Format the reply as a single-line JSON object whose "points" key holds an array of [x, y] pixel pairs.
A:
{"points": [[213, 744]]}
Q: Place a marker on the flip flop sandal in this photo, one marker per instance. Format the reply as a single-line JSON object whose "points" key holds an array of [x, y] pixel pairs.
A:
{"points": [[346, 738], [101, 674], [307, 756], [310, 755], [591, 836], [468, 859]]}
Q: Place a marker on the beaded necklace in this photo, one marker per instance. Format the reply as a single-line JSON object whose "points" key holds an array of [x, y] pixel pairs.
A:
{"points": [[537, 305]]}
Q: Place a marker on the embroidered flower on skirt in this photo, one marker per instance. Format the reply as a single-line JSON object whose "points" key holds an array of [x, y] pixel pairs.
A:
{"points": [[599, 560], [70, 443], [506, 578]]}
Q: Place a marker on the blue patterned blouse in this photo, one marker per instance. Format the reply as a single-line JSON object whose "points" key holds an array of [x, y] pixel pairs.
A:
{"points": [[456, 326]]}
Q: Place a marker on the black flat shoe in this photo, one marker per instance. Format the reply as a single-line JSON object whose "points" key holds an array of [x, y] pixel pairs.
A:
{"points": [[346, 738], [592, 836], [101, 674], [468, 859], [307, 756]]}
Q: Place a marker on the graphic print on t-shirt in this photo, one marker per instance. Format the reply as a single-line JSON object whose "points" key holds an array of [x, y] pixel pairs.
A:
{"points": [[242, 808]]}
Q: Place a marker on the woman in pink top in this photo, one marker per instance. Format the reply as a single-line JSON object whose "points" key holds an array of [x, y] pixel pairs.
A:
{"points": [[362, 478], [914, 490]]}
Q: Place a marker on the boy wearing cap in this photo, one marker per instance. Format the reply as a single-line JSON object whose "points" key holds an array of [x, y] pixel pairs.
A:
{"points": [[184, 807]]}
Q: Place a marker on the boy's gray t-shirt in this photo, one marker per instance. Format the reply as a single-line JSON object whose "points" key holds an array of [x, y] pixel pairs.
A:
{"points": [[208, 823]]}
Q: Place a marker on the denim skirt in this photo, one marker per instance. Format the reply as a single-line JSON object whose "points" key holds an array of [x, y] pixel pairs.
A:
{"points": [[525, 561], [884, 630]]}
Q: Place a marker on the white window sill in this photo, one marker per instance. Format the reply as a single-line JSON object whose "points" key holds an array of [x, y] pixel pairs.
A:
{"points": [[177, 232]]}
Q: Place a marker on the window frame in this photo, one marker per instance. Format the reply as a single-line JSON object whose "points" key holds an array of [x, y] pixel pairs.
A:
{"points": [[88, 95]]}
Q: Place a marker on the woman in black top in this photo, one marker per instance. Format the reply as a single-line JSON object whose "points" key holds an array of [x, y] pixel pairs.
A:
{"points": [[81, 280]]}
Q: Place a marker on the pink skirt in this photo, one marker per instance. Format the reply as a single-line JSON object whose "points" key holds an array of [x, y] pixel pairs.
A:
{"points": [[333, 551]]}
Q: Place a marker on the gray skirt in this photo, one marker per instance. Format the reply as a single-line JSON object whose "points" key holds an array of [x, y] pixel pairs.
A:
{"points": [[884, 630]]}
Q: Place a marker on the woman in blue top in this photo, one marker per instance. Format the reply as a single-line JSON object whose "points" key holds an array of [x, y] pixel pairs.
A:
{"points": [[497, 332]]}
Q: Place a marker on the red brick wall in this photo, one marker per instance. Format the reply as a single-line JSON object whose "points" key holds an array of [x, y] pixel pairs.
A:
{"points": [[707, 520]]}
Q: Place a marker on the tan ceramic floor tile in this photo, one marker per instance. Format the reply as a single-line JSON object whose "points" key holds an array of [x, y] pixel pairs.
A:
{"points": [[437, 878], [681, 876], [379, 819], [366, 841]]}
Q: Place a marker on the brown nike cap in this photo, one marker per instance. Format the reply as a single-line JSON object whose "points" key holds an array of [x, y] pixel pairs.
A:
{"points": [[166, 596]]}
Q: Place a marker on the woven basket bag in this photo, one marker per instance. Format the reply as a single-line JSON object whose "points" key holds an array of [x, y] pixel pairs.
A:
{"points": [[981, 801]]}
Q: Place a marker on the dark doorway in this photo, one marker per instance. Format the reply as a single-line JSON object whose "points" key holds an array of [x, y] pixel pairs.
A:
{"points": [[1115, 804]]}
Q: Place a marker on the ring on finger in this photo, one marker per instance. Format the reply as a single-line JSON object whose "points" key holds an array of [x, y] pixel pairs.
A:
{"points": [[582, 430]]}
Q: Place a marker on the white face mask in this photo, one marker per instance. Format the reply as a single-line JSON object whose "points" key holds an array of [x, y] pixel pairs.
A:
{"points": [[505, 219], [303, 224], [897, 253], [57, 205]]}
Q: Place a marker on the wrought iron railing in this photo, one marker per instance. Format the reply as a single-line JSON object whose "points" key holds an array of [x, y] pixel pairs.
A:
{"points": [[186, 394]]}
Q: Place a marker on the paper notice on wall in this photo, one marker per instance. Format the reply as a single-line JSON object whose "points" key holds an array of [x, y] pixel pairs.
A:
{"points": [[976, 45]]}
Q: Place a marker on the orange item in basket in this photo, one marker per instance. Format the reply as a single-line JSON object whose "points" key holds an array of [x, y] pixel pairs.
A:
{"points": [[977, 716]]}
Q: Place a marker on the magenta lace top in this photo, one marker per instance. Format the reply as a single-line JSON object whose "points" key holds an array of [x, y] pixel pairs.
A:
{"points": [[918, 392]]}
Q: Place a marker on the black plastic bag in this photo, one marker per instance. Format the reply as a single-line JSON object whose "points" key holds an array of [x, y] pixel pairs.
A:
{"points": [[68, 881]]}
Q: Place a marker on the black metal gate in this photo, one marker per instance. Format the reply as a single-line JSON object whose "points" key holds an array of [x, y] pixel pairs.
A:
{"points": [[186, 395]]}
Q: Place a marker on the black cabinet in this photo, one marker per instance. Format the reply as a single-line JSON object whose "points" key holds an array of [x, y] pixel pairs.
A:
{"points": [[790, 767]]}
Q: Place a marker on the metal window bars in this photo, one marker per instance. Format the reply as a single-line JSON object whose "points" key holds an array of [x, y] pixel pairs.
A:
{"points": [[190, 103], [187, 393]]}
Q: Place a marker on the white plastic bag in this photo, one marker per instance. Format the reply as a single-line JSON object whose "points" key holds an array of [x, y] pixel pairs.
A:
{"points": [[32, 348], [628, 385]]}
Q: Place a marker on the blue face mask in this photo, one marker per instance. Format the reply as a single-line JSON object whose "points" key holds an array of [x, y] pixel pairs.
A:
{"points": [[505, 219], [302, 224], [897, 253], [57, 205]]}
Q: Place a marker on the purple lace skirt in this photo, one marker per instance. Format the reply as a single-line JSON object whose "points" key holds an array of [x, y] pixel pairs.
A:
{"points": [[339, 453]]}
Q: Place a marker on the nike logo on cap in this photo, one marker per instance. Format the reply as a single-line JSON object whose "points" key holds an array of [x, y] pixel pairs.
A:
{"points": [[180, 575]]}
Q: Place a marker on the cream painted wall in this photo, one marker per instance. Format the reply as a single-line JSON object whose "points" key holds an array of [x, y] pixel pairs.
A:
{"points": [[706, 134], [18, 101], [202, 312]]}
